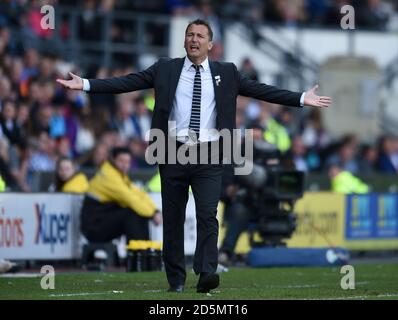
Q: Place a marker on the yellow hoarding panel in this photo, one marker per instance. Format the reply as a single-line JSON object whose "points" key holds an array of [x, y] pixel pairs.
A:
{"points": [[320, 220]]}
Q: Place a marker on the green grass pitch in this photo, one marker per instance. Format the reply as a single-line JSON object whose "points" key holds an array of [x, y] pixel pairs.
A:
{"points": [[372, 281]]}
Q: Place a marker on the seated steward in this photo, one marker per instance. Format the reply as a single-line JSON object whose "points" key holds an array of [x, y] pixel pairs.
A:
{"points": [[114, 205]]}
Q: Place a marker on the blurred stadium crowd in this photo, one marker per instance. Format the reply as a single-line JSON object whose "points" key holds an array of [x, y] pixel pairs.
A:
{"points": [[41, 122]]}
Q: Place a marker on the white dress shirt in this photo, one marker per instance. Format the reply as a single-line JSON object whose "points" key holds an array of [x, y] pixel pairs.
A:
{"points": [[182, 104]]}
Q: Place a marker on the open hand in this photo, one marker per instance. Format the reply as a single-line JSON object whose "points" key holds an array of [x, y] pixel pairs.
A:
{"points": [[311, 99], [76, 83]]}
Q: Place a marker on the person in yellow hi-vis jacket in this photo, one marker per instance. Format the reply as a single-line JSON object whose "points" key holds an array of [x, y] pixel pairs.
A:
{"points": [[114, 205], [345, 182], [154, 184], [67, 179], [277, 135], [2, 184]]}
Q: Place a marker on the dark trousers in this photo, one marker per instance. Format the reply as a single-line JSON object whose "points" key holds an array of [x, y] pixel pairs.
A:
{"points": [[103, 222], [205, 181]]}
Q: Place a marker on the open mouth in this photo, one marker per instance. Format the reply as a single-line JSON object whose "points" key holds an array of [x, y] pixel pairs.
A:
{"points": [[194, 47]]}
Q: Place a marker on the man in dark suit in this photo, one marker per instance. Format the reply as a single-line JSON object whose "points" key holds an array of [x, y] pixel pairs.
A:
{"points": [[199, 96]]}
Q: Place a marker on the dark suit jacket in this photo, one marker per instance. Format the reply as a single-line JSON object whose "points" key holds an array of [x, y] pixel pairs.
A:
{"points": [[164, 75]]}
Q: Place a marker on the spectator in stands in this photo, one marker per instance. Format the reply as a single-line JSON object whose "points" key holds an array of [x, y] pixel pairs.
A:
{"points": [[274, 133], [206, 12], [374, 14], [57, 124], [123, 121], [103, 103], [89, 22], [273, 12], [85, 136], [43, 156], [5, 89], [15, 75], [333, 14], [110, 138], [247, 68], [394, 157], [290, 12], [47, 68], [34, 17], [31, 63], [345, 157], [22, 118], [286, 118], [5, 170], [314, 134], [316, 10], [41, 119], [8, 124], [179, 7], [96, 157], [16, 144], [114, 205], [63, 148], [142, 117], [2, 184], [316, 140], [13, 166], [367, 159], [345, 182], [67, 179], [297, 155], [137, 148], [154, 184], [387, 152], [241, 122], [4, 43]]}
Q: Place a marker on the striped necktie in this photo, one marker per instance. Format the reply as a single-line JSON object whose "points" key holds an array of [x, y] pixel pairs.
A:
{"points": [[194, 123]]}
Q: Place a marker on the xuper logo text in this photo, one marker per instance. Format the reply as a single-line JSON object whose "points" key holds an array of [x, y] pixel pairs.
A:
{"points": [[11, 231], [52, 228]]}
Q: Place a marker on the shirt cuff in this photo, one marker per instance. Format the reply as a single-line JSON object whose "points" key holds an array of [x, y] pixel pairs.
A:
{"points": [[302, 100], [86, 85]]}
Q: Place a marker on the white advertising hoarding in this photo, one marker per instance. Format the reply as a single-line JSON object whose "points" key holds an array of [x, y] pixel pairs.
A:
{"points": [[38, 226], [44, 226]]}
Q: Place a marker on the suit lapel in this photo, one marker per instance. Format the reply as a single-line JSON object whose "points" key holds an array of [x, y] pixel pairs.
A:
{"points": [[175, 73], [215, 71]]}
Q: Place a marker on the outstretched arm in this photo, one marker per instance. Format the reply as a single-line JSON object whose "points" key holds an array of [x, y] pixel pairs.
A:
{"points": [[131, 82], [261, 91], [254, 89]]}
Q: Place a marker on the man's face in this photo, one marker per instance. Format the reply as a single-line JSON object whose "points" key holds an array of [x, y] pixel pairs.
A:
{"points": [[197, 42], [122, 162]]}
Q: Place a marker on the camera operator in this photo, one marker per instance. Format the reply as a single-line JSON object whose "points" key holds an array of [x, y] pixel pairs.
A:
{"points": [[235, 220], [264, 198]]}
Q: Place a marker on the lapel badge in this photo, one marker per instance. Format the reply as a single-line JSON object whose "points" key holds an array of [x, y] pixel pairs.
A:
{"points": [[218, 80]]}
